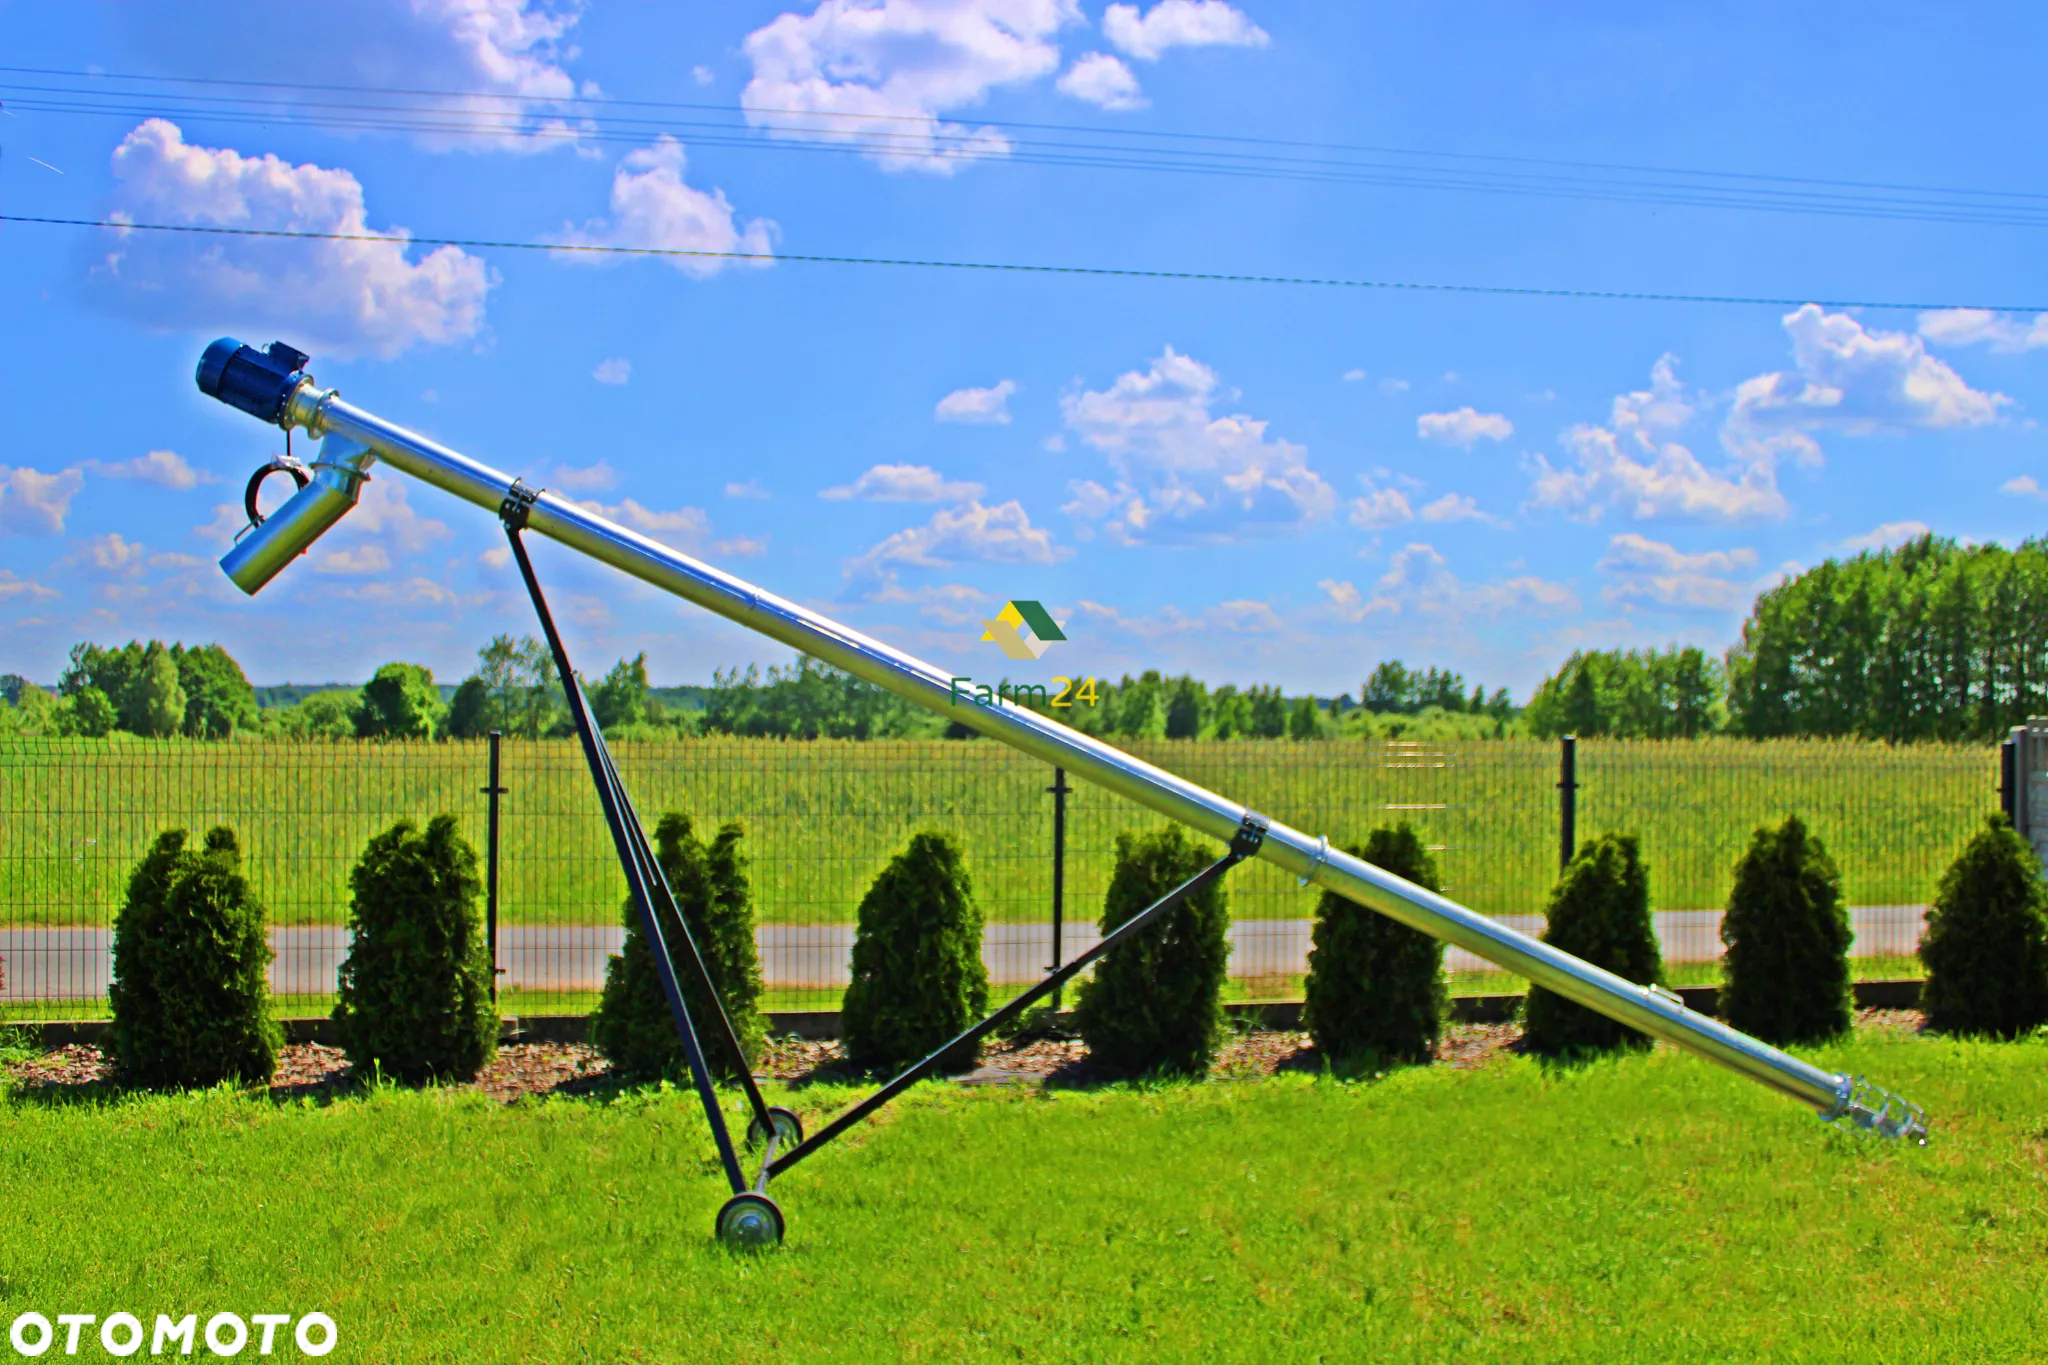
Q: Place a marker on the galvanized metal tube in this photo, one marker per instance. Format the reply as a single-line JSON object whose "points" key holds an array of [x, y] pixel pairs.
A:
{"points": [[1661, 1014]]}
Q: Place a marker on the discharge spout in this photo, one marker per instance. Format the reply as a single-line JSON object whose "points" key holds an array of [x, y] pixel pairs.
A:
{"points": [[1653, 1010]]}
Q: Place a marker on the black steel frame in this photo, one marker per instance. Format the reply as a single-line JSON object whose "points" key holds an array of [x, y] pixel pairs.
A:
{"points": [[650, 891], [1249, 836], [648, 885]]}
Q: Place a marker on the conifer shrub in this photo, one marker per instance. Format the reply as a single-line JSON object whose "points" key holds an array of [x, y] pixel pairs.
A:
{"points": [[1375, 990], [1986, 944], [633, 1026], [191, 994], [415, 989], [1787, 931], [918, 977], [1599, 911], [1155, 1004]]}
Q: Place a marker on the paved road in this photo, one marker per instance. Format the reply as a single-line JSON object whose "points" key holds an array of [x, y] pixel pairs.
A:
{"points": [[50, 964]]}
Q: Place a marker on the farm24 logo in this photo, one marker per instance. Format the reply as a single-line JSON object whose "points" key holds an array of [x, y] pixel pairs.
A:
{"points": [[1024, 629]]}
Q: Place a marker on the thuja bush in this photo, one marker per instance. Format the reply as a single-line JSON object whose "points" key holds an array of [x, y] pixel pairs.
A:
{"points": [[1599, 911], [918, 977], [415, 989], [1787, 967], [191, 995], [633, 1026], [1375, 989], [1986, 945], [1155, 1004]]}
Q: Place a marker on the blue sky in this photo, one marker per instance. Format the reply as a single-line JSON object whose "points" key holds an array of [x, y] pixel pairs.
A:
{"points": [[1258, 483]]}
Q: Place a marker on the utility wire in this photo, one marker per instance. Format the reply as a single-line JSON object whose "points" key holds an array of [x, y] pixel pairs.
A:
{"points": [[912, 140], [1020, 268]]}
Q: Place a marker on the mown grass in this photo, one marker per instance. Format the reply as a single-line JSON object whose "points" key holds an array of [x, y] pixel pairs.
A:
{"points": [[1649, 1209]]}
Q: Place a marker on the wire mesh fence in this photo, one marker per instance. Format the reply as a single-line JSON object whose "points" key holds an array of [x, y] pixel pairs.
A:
{"points": [[822, 818]]}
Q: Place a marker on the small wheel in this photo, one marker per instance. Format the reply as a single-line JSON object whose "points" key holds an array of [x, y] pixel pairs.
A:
{"points": [[750, 1222], [789, 1129]]}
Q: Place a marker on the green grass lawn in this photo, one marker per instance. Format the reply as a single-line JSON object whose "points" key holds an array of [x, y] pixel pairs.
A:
{"points": [[1651, 1209]]}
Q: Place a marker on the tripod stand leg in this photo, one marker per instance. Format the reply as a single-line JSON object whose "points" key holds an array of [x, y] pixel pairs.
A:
{"points": [[624, 828]]}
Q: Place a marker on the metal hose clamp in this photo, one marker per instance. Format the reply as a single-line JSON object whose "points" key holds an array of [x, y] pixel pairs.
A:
{"points": [[1322, 856], [518, 504]]}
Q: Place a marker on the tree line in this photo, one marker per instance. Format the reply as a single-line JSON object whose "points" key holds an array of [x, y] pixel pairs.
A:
{"points": [[1932, 640]]}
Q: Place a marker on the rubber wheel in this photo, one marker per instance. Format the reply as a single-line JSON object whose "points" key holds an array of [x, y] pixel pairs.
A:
{"points": [[789, 1129], [750, 1222]]}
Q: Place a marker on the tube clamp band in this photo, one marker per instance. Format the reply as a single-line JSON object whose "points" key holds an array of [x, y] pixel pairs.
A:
{"points": [[518, 505], [1250, 834], [1322, 856]]}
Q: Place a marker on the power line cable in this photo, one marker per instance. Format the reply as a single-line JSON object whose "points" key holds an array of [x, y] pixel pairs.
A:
{"points": [[1095, 129], [1021, 268], [906, 139]]}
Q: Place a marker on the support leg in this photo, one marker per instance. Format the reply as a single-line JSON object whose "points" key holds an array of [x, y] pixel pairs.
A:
{"points": [[638, 880]]}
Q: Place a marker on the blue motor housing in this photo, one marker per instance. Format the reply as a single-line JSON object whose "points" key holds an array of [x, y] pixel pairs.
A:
{"points": [[257, 382]]}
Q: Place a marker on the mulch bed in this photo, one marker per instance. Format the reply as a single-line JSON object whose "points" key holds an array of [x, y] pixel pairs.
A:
{"points": [[525, 1070]]}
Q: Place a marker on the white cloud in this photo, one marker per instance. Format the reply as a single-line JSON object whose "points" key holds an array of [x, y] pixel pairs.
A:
{"points": [[904, 483], [880, 74], [1002, 534], [1845, 377], [1982, 327], [949, 604], [355, 561], [12, 585], [1394, 386], [508, 56], [1182, 472], [1630, 463], [164, 468], [111, 553], [1242, 616], [1419, 581], [1104, 81], [1466, 427], [2025, 486], [228, 519], [703, 75], [1179, 23], [1849, 378], [385, 513], [1885, 537], [741, 546], [751, 489], [1380, 508], [685, 528], [1458, 507], [1353, 376], [33, 503], [1650, 571], [977, 405], [592, 478], [613, 371], [652, 207], [334, 297]]}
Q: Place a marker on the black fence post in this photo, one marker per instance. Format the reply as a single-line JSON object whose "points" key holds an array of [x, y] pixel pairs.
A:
{"points": [[2008, 781], [1567, 800], [493, 791], [1059, 790]]}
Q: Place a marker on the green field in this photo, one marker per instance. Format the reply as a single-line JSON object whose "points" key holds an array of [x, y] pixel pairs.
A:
{"points": [[1649, 1209], [824, 816]]}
